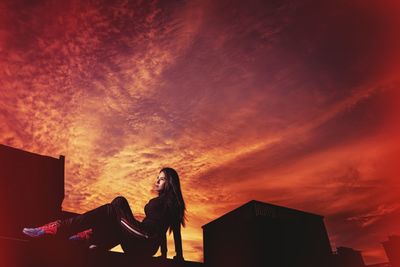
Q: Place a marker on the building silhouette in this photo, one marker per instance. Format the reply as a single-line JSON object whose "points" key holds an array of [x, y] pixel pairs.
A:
{"points": [[382, 264], [392, 249], [348, 257], [262, 234], [31, 189]]}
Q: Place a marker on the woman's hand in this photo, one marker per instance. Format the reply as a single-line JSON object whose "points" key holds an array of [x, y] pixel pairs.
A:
{"points": [[178, 242], [179, 258]]}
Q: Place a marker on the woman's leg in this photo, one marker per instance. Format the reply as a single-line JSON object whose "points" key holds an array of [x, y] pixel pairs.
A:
{"points": [[102, 232], [130, 243], [123, 210], [102, 217], [105, 222]]}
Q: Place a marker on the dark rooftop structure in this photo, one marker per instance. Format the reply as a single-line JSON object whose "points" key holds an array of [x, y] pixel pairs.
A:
{"points": [[262, 234], [392, 249], [382, 264], [31, 189], [348, 257]]}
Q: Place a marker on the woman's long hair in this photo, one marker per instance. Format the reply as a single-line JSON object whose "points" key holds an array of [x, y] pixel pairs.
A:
{"points": [[173, 194]]}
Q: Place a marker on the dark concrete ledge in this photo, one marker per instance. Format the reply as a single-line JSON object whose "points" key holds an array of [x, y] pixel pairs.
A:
{"points": [[48, 252]]}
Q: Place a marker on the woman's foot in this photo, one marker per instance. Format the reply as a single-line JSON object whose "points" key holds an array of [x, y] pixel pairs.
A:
{"points": [[47, 229], [82, 236]]}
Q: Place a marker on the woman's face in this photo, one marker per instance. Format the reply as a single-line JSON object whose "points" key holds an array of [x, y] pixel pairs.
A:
{"points": [[160, 182]]}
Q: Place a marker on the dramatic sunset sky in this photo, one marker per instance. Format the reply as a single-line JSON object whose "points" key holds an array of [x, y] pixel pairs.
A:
{"points": [[294, 103]]}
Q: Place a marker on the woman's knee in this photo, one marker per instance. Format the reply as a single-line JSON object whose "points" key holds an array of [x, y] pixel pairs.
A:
{"points": [[120, 201]]}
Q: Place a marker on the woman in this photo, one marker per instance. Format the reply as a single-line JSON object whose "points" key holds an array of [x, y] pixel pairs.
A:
{"points": [[114, 223]]}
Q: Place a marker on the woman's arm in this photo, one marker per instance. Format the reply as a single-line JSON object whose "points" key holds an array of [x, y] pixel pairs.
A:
{"points": [[178, 241], [164, 249]]}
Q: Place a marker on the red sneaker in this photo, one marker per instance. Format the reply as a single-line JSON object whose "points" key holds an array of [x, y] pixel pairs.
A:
{"points": [[47, 229], [85, 235]]}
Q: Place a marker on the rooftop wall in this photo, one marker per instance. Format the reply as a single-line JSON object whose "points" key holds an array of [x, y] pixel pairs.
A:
{"points": [[31, 189]]}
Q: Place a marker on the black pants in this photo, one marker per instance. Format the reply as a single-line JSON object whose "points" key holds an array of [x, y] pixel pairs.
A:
{"points": [[107, 229]]}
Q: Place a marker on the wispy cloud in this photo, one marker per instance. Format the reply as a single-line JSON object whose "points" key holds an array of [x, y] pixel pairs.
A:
{"points": [[371, 217]]}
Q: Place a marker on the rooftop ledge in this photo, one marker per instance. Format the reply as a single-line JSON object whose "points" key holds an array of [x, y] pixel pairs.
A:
{"points": [[47, 252]]}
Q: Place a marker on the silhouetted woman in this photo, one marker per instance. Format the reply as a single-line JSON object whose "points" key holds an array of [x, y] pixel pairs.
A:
{"points": [[114, 223]]}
